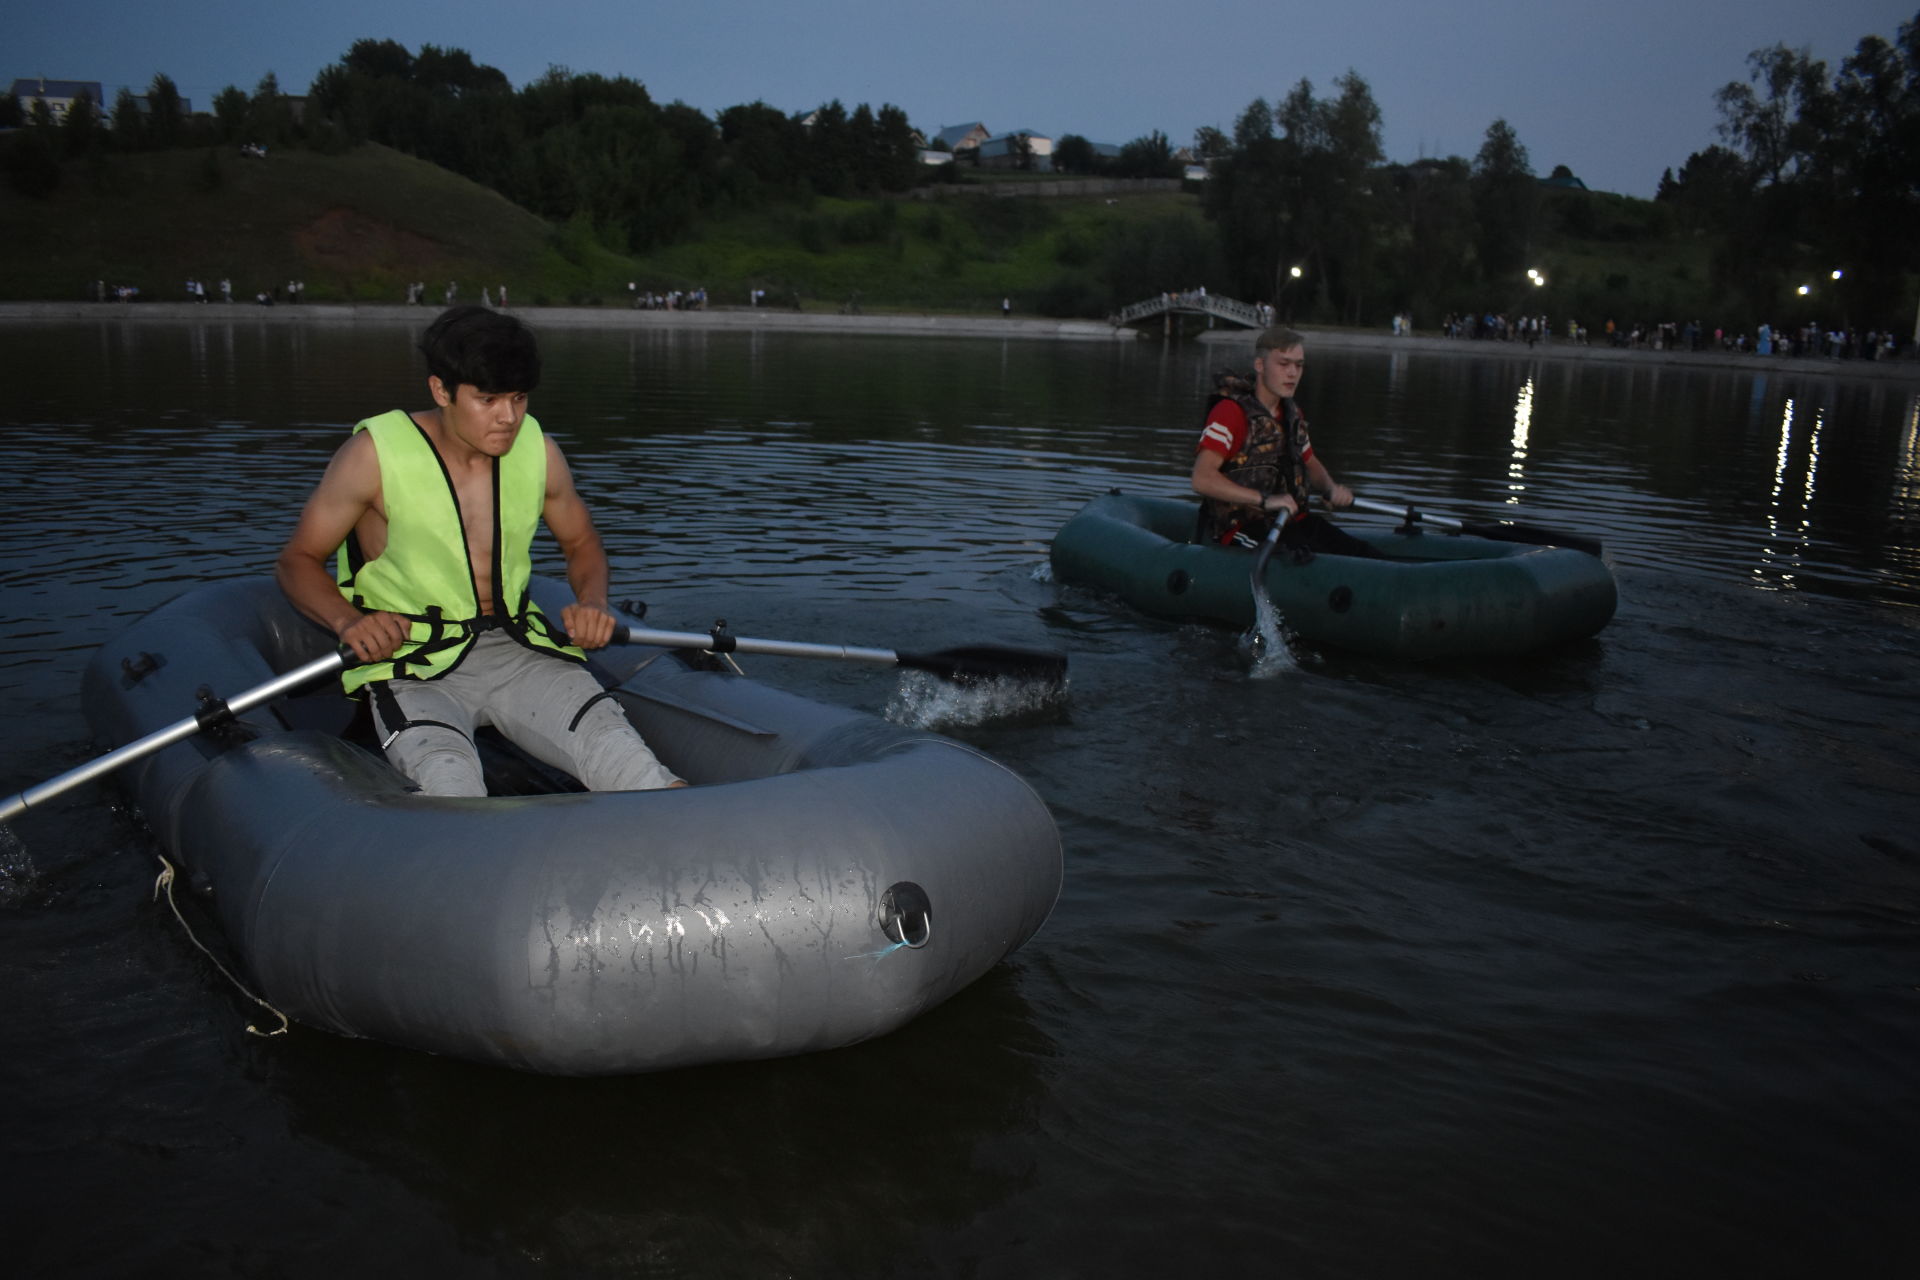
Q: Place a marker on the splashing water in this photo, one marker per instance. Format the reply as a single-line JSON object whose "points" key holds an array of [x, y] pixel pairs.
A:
{"points": [[1268, 643], [923, 701], [16, 868]]}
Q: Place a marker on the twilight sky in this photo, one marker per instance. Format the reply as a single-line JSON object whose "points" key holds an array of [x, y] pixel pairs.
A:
{"points": [[1617, 90]]}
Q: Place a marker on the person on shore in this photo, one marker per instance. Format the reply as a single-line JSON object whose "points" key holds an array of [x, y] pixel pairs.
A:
{"points": [[432, 514], [1255, 462]]}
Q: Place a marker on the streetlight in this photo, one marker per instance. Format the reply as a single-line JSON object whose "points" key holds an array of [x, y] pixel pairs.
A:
{"points": [[1837, 273], [1293, 273], [1805, 289]]}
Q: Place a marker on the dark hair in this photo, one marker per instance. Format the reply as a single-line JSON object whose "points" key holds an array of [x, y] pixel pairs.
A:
{"points": [[486, 350], [1278, 338]]}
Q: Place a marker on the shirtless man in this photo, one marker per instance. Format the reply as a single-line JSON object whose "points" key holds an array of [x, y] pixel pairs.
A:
{"points": [[447, 637]]}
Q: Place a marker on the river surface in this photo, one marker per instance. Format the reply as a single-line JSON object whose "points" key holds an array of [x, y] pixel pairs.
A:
{"points": [[1601, 963]]}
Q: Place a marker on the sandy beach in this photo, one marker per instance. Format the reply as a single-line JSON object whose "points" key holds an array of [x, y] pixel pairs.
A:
{"points": [[1905, 369]]}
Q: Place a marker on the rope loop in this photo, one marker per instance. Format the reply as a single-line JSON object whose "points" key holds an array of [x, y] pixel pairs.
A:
{"points": [[164, 884]]}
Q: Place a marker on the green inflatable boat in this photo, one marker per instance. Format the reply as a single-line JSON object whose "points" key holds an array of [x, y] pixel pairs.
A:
{"points": [[1440, 595]]}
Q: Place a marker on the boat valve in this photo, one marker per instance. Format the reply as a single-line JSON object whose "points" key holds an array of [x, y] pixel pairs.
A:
{"points": [[134, 670], [906, 915]]}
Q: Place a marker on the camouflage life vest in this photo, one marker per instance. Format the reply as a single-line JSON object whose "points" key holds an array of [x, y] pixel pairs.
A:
{"points": [[1271, 459]]}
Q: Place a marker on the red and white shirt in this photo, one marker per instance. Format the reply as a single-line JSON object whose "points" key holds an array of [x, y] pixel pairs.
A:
{"points": [[1226, 431]]}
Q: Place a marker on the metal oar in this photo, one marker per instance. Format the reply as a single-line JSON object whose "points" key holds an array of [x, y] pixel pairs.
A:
{"points": [[215, 711], [1504, 531], [965, 664]]}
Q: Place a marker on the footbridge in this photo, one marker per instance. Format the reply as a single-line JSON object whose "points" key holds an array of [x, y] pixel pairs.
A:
{"points": [[1194, 303]]}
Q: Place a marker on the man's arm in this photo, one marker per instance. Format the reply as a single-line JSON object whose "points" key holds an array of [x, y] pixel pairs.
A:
{"points": [[346, 492], [1210, 482], [587, 621], [1320, 481]]}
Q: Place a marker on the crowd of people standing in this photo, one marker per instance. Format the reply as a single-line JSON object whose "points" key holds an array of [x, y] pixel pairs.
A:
{"points": [[1813, 339]]}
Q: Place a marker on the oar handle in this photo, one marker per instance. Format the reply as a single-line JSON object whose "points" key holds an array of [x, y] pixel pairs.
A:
{"points": [[722, 641], [214, 712]]}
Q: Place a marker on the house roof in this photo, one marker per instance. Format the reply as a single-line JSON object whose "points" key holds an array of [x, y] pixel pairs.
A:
{"points": [[954, 133], [65, 90]]}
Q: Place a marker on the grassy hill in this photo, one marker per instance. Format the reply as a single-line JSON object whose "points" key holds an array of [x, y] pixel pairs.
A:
{"points": [[353, 227], [362, 225]]}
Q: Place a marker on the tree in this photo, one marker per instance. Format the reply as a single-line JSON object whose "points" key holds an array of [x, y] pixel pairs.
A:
{"points": [[1254, 125], [80, 129], [1710, 189], [830, 157], [1503, 203], [1772, 118], [1074, 154], [899, 166], [1148, 156], [127, 123], [269, 117], [165, 119], [230, 113], [1020, 149], [379, 58], [763, 150], [1430, 267]]}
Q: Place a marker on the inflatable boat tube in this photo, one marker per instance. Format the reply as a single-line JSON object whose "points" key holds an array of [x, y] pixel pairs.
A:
{"points": [[1435, 596], [826, 878]]}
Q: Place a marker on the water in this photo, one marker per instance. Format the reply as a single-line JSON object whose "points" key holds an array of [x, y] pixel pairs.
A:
{"points": [[1602, 963]]}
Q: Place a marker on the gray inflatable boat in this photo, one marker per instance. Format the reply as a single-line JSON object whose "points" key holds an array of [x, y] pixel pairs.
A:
{"points": [[827, 877]]}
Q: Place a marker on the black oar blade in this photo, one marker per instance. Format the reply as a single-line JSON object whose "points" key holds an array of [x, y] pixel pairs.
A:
{"points": [[971, 663], [1507, 531]]}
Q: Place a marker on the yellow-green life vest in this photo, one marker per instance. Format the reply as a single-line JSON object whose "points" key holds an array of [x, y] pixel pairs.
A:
{"points": [[423, 573]]}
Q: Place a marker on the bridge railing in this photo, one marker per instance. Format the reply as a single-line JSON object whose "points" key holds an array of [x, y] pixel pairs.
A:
{"points": [[1230, 309]]}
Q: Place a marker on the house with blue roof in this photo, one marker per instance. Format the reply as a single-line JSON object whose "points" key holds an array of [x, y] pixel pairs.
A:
{"points": [[1003, 152], [57, 94]]}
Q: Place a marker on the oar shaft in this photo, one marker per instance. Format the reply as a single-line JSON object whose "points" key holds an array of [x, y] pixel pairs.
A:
{"points": [[744, 644], [1391, 509], [162, 738]]}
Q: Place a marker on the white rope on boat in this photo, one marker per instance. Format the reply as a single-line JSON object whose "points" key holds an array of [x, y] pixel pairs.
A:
{"points": [[165, 884]]}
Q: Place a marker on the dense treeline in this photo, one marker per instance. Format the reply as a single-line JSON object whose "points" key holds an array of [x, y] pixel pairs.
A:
{"points": [[587, 150], [1820, 173]]}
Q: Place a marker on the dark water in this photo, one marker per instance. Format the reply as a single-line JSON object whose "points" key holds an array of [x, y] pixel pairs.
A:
{"points": [[1605, 963]]}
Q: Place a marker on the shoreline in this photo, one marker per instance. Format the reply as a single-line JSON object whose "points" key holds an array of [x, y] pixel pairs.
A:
{"points": [[1900, 369]]}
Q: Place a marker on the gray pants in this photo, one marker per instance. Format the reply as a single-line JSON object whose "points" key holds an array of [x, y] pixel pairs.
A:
{"points": [[535, 700]]}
